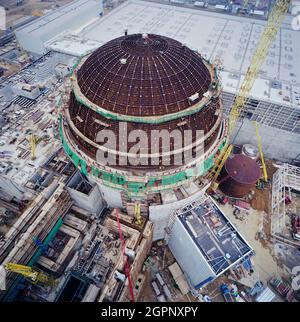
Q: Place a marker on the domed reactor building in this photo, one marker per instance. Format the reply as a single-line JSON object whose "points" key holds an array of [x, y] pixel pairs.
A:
{"points": [[156, 85]]}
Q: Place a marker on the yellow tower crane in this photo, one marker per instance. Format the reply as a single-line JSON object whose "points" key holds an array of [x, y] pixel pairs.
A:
{"points": [[276, 17], [26, 271], [32, 143]]}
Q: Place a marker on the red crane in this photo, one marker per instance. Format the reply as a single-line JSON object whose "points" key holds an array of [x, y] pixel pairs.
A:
{"points": [[126, 265]]}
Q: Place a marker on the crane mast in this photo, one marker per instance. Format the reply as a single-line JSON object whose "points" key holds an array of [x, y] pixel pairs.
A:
{"points": [[26, 271], [276, 17], [32, 143]]}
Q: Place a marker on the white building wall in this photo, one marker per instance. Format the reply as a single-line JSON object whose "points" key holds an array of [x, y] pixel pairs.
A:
{"points": [[276, 143], [189, 256], [92, 202], [160, 214], [30, 43], [111, 196], [33, 35]]}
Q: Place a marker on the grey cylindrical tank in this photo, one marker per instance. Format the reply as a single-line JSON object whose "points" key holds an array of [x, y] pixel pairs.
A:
{"points": [[250, 151]]}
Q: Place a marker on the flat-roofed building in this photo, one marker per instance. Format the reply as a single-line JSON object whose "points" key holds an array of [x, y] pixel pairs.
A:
{"points": [[205, 243], [72, 16]]}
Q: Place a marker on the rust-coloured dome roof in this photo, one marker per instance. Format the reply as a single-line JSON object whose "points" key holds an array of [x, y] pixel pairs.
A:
{"points": [[242, 169], [143, 76]]}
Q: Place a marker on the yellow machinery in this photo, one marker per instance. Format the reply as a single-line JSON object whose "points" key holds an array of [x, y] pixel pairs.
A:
{"points": [[137, 213], [265, 174], [37, 13], [26, 271], [219, 165], [275, 19], [32, 143]]}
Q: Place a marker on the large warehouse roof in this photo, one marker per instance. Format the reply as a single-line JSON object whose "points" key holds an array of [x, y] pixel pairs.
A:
{"points": [[229, 37]]}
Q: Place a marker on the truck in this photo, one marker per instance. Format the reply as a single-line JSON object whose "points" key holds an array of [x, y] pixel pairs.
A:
{"points": [[243, 205], [223, 200], [226, 293]]}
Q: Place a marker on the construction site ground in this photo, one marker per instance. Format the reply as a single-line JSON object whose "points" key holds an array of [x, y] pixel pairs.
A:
{"points": [[9, 68], [272, 258], [162, 258], [28, 8], [266, 263]]}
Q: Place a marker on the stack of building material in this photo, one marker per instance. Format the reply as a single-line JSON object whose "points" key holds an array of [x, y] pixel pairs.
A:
{"points": [[179, 278]]}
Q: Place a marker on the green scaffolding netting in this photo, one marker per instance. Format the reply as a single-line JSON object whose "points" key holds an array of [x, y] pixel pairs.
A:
{"points": [[135, 186], [208, 163], [106, 176], [120, 180], [189, 173], [75, 66], [201, 169], [222, 145], [151, 182], [74, 157], [95, 172], [83, 167], [167, 180]]}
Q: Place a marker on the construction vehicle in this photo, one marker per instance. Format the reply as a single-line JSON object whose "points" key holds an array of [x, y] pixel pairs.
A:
{"points": [[226, 293], [242, 205], [276, 17], [29, 272], [223, 200], [137, 213]]}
